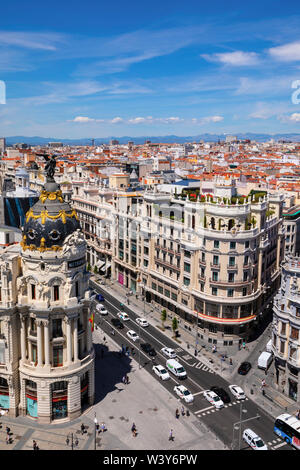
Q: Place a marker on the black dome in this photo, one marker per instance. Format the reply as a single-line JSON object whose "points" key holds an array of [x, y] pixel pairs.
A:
{"points": [[49, 221]]}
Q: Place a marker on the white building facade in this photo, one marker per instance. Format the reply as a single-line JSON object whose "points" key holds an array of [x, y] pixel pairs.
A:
{"points": [[46, 350]]}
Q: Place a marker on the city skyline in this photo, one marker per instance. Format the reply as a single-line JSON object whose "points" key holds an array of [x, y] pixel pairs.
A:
{"points": [[175, 69]]}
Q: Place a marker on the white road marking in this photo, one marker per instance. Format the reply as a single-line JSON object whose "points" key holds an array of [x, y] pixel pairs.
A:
{"points": [[204, 409], [198, 393], [280, 445]]}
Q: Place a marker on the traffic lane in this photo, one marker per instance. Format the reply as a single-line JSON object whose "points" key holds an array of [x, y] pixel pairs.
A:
{"points": [[147, 363], [147, 334], [159, 340], [160, 358], [192, 373], [226, 417]]}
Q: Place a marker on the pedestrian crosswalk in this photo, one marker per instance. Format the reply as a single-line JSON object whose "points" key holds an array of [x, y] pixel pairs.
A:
{"points": [[212, 409]]}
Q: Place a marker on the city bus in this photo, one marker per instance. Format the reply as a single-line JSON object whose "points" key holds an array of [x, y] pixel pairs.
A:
{"points": [[288, 427]]}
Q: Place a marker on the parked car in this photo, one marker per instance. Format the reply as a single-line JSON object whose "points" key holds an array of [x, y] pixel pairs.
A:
{"points": [[221, 393], [95, 296], [244, 368], [161, 372], [169, 352], [213, 398], [123, 316], [253, 440], [148, 349], [132, 335], [184, 393], [237, 392], [101, 309], [117, 323], [142, 322]]}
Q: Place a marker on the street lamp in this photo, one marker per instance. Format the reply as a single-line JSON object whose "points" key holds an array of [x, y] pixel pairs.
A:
{"points": [[73, 443], [95, 431], [238, 425], [196, 340]]}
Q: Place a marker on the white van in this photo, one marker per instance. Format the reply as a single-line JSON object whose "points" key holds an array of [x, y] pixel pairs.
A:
{"points": [[269, 346], [253, 440], [264, 360], [176, 368]]}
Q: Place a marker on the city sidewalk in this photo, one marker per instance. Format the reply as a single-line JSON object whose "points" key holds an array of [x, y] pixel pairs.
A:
{"points": [[145, 402], [274, 402]]}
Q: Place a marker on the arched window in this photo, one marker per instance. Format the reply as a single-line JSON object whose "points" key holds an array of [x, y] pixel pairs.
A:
{"points": [[212, 223], [231, 224]]}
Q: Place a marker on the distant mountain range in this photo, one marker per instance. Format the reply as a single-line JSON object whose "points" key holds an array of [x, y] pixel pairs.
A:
{"points": [[36, 140]]}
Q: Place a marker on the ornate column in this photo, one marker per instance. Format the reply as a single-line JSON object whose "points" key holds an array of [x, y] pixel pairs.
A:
{"points": [[47, 343], [75, 336], [88, 333], [39, 343], [69, 340], [23, 338]]}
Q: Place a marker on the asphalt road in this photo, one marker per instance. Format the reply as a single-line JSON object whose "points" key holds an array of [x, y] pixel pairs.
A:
{"points": [[199, 379]]}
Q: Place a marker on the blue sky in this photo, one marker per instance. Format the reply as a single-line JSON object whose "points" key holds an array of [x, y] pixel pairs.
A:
{"points": [[96, 69]]}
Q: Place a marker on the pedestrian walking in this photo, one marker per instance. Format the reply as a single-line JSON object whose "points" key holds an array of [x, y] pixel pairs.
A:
{"points": [[171, 436], [298, 414], [187, 413], [104, 339], [177, 413], [230, 361], [124, 379], [182, 411], [103, 427], [82, 429], [7, 430], [133, 430], [34, 445], [113, 332], [132, 351]]}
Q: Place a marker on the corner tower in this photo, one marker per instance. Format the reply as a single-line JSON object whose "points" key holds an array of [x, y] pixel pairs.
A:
{"points": [[56, 367]]}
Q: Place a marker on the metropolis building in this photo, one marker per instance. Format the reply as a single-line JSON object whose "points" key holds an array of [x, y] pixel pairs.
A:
{"points": [[46, 350]]}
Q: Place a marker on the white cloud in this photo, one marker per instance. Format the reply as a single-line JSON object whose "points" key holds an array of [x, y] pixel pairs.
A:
{"points": [[30, 40], [288, 52], [237, 58], [83, 119], [116, 120], [295, 117]]}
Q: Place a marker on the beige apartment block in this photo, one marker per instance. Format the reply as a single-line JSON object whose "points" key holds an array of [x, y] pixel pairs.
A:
{"points": [[46, 351], [205, 259]]}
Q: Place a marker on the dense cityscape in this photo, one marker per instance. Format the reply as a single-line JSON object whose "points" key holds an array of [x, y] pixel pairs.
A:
{"points": [[149, 230]]}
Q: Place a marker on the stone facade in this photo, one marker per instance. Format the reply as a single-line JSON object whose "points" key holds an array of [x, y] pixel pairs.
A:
{"points": [[46, 350], [207, 258]]}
